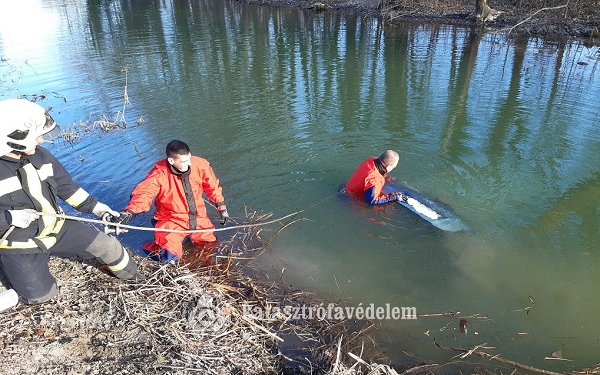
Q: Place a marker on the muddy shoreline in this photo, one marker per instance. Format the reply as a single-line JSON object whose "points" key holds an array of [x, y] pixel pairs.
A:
{"points": [[552, 21]]}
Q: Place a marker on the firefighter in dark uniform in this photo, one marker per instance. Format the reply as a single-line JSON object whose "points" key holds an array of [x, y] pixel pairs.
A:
{"points": [[31, 180]]}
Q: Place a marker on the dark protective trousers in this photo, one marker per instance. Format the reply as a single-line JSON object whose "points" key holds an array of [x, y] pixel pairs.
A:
{"points": [[30, 277]]}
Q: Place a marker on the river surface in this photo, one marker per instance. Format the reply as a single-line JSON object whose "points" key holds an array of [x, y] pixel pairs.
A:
{"points": [[286, 103]]}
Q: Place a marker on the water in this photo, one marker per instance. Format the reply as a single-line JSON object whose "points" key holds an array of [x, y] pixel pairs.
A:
{"points": [[285, 104]]}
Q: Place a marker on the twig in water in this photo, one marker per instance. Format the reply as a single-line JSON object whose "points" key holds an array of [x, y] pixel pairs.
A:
{"points": [[497, 358], [528, 307]]}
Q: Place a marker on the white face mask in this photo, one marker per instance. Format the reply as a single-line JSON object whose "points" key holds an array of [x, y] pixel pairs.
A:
{"points": [[181, 162]]}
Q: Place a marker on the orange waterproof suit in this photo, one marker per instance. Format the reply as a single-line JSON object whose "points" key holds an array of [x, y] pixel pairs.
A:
{"points": [[179, 204], [368, 181]]}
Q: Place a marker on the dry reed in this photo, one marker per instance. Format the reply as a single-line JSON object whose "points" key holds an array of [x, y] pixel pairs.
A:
{"points": [[184, 318]]}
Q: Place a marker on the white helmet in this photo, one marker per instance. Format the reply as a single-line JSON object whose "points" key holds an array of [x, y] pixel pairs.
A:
{"points": [[21, 122]]}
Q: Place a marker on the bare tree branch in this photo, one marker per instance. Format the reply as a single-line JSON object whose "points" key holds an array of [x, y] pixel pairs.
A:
{"points": [[510, 29]]}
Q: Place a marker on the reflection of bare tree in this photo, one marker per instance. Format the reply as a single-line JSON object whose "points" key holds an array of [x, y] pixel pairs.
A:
{"points": [[459, 89], [396, 66], [509, 127], [548, 125], [555, 87]]}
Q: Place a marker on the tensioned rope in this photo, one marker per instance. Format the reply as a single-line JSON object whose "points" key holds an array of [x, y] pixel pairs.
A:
{"points": [[125, 226], [189, 231]]}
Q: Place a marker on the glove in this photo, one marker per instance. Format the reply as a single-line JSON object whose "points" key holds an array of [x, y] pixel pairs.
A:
{"points": [[100, 209], [397, 196], [224, 216], [124, 217], [22, 218]]}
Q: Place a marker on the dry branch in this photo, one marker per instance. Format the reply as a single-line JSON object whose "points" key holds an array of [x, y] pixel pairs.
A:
{"points": [[510, 29], [495, 357]]}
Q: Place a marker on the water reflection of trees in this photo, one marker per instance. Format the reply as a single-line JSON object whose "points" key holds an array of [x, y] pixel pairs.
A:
{"points": [[482, 101]]}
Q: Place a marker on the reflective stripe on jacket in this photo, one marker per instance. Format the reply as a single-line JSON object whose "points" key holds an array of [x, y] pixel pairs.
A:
{"points": [[168, 190], [34, 182], [367, 182]]}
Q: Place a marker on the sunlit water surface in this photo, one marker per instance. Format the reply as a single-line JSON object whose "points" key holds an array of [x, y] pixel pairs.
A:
{"points": [[285, 104]]}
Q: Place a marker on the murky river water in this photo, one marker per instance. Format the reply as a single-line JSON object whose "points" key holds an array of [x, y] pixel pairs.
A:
{"points": [[285, 104]]}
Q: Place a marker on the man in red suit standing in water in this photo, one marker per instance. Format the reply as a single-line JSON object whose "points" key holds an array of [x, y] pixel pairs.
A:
{"points": [[176, 185]]}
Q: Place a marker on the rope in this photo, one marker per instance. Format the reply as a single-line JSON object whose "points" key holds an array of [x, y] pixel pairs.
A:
{"points": [[124, 226], [189, 231]]}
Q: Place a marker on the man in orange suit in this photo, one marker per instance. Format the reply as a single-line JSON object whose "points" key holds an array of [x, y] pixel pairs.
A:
{"points": [[176, 185]]}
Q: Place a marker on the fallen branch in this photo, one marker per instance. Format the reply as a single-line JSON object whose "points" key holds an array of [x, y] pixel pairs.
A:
{"points": [[497, 358], [510, 29], [452, 314]]}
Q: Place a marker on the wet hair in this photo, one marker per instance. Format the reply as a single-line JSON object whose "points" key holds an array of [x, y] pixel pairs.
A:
{"points": [[388, 157], [176, 147]]}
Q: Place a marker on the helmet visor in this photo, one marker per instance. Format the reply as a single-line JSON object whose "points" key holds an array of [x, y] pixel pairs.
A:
{"points": [[49, 124], [50, 130], [53, 134]]}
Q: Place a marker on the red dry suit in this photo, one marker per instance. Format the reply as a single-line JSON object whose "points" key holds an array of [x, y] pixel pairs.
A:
{"points": [[368, 181], [179, 203]]}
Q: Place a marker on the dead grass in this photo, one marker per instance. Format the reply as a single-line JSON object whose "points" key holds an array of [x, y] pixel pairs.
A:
{"points": [[184, 319]]}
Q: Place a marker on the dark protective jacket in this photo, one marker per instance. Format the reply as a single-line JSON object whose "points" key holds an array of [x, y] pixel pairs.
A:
{"points": [[367, 182], [178, 197], [35, 182]]}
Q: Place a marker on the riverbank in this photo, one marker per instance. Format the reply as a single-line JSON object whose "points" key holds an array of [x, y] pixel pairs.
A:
{"points": [[552, 19], [179, 321], [186, 318]]}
